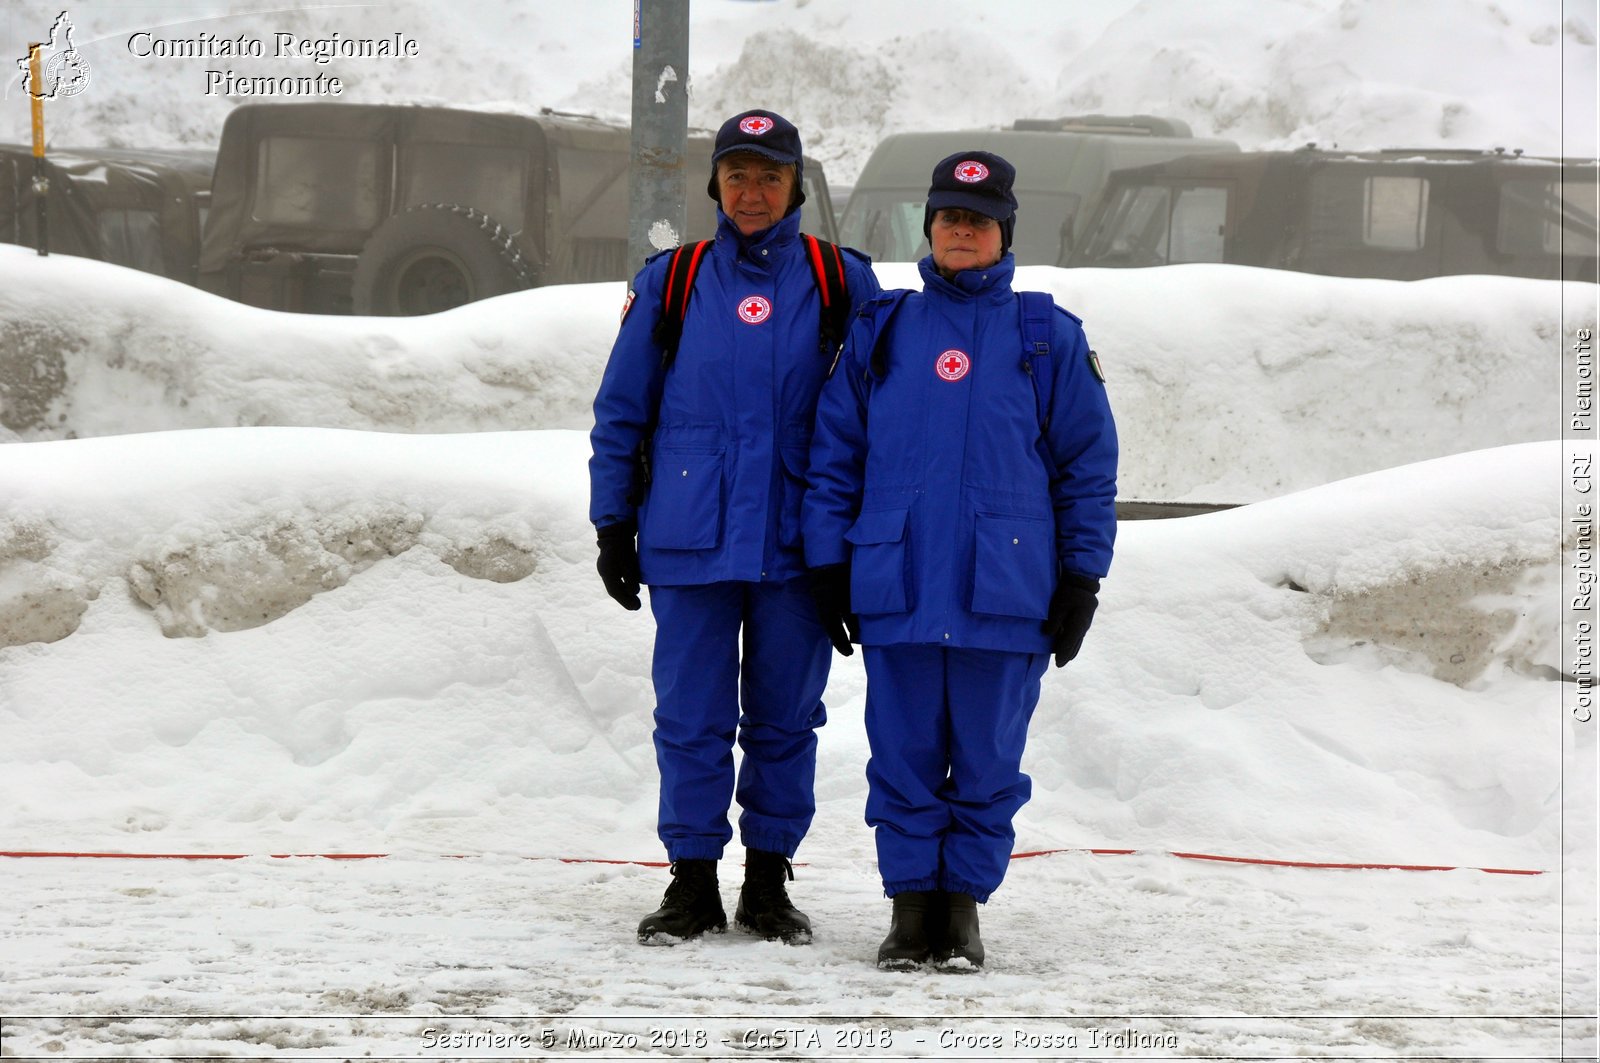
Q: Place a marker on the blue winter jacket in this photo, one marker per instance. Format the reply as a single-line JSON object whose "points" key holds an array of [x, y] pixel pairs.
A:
{"points": [[728, 458], [956, 503]]}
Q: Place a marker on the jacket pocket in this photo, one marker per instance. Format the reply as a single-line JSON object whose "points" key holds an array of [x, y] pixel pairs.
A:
{"points": [[685, 507], [879, 566], [1014, 566]]}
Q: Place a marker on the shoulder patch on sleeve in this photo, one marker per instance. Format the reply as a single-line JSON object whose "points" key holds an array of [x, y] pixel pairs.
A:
{"points": [[1094, 366]]}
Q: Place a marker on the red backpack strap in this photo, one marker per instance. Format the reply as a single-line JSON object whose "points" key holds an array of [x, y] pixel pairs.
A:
{"points": [[681, 272], [827, 266]]}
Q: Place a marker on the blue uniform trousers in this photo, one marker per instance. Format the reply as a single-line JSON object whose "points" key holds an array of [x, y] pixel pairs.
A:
{"points": [[946, 728], [702, 680]]}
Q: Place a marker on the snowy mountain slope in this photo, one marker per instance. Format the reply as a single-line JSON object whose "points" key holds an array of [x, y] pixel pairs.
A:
{"points": [[1358, 73]]}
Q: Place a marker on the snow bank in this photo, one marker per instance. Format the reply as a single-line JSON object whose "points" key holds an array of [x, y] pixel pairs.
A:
{"points": [[90, 349], [1358, 73], [380, 642], [1229, 383]]}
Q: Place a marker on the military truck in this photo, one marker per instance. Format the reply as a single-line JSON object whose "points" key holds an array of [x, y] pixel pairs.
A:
{"points": [[141, 209], [397, 209], [1403, 214], [1062, 166]]}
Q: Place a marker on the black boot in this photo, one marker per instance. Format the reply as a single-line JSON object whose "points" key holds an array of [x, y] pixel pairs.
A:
{"points": [[917, 914], [961, 946], [690, 907], [764, 906]]}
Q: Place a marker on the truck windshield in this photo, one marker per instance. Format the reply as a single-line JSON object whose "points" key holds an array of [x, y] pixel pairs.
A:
{"points": [[885, 225], [888, 226], [1154, 225], [816, 216]]}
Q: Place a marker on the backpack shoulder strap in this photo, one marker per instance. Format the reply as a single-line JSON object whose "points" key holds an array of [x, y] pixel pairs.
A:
{"points": [[867, 331], [681, 272], [1038, 319], [827, 266]]}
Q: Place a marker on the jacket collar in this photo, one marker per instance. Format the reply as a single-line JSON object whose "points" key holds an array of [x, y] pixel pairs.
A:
{"points": [[772, 240], [990, 285]]}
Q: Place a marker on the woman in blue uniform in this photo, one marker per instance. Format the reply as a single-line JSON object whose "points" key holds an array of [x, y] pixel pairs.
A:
{"points": [[716, 533], [960, 517]]}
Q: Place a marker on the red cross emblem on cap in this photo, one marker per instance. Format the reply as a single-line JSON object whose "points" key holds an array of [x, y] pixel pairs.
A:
{"points": [[754, 309], [971, 172], [952, 365], [756, 124]]}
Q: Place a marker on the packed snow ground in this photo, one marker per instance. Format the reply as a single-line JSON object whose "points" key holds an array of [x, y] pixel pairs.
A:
{"points": [[1267, 73], [1231, 962]]}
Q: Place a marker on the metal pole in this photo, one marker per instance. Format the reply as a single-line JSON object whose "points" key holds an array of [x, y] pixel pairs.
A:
{"points": [[41, 183], [656, 213]]}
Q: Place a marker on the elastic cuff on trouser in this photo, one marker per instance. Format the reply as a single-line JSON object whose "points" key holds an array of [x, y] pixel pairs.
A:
{"points": [[910, 885], [955, 885], [783, 845], [694, 849]]}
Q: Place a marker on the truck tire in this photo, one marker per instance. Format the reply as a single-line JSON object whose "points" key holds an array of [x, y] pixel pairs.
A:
{"points": [[435, 257]]}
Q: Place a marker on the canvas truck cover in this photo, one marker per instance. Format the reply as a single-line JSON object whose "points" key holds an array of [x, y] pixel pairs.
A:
{"points": [[333, 181], [141, 209], [1403, 214], [321, 179]]}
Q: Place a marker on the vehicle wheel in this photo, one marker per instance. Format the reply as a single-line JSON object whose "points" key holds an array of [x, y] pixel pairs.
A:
{"points": [[435, 257]]}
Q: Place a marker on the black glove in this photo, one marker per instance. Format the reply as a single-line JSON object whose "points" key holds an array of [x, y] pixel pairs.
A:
{"points": [[1071, 609], [619, 562], [830, 588]]}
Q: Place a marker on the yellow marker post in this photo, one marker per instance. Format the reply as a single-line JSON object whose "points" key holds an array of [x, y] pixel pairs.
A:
{"points": [[41, 184], [35, 81]]}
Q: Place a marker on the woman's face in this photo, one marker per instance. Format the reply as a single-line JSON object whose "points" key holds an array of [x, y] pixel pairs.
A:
{"points": [[755, 191], [963, 239]]}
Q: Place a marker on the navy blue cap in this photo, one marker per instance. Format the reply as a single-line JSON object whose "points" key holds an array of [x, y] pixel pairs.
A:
{"points": [[978, 181], [974, 180], [763, 133]]}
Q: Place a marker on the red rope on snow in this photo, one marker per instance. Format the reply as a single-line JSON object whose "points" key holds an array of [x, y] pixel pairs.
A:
{"points": [[1252, 860], [1266, 862], [306, 856]]}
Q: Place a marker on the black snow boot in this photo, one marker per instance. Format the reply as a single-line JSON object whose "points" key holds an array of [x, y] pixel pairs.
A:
{"points": [[960, 945], [764, 906], [690, 907], [917, 915]]}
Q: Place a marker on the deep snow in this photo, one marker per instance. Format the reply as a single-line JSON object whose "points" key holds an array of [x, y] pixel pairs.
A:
{"points": [[490, 699], [1231, 384]]}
